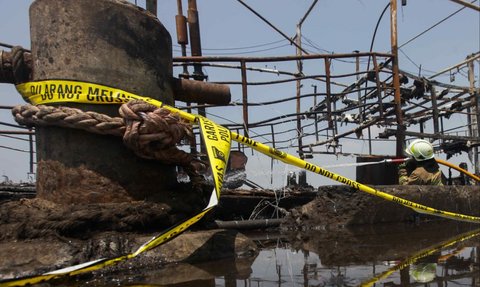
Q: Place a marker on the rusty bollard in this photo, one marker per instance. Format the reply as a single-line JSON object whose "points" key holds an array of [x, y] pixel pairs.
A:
{"points": [[114, 43]]}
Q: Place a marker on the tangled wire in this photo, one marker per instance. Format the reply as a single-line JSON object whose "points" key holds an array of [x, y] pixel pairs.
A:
{"points": [[151, 132]]}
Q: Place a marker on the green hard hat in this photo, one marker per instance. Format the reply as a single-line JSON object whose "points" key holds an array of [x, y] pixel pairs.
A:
{"points": [[420, 149]]}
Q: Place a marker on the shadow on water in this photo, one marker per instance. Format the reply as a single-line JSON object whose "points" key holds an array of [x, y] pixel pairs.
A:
{"points": [[438, 253]]}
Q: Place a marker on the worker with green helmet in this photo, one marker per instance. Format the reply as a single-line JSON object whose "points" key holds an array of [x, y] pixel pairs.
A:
{"points": [[421, 168]]}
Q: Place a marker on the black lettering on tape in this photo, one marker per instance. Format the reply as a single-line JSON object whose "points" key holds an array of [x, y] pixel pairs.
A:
{"points": [[224, 134], [92, 92], [310, 167]]}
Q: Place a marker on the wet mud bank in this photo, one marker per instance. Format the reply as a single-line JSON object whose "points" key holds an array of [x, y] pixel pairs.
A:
{"points": [[342, 206], [39, 236]]}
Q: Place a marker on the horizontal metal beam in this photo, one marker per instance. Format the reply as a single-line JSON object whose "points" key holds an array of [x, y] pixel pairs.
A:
{"points": [[391, 132], [278, 58], [16, 133]]}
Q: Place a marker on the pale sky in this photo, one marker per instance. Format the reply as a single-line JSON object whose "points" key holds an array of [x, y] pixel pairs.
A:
{"points": [[333, 26]]}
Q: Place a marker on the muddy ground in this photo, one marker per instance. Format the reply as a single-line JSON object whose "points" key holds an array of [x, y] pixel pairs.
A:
{"points": [[38, 235]]}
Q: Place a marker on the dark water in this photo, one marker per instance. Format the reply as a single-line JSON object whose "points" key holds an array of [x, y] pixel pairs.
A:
{"points": [[432, 254]]}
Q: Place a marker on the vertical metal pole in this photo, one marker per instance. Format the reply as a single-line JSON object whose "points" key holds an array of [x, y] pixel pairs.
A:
{"points": [[152, 6], [195, 45], [327, 83], [182, 35], [195, 42], [272, 128], [182, 40], [379, 87], [369, 140], [30, 142], [475, 116], [244, 96], [195, 49], [315, 104], [396, 80], [433, 93], [359, 94], [299, 72]]}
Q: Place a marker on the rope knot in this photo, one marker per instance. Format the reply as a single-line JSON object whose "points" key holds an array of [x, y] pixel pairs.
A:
{"points": [[154, 132]]}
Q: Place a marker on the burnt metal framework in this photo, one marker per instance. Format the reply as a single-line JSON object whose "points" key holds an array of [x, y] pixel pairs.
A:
{"points": [[345, 100], [346, 104]]}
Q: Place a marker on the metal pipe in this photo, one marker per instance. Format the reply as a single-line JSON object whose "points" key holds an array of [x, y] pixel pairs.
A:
{"points": [[271, 25], [434, 110], [151, 6], [328, 101], [278, 58], [182, 35], [474, 140], [298, 87], [468, 60], [336, 137], [308, 12], [200, 92], [31, 151], [245, 97], [379, 88], [396, 79], [195, 42], [249, 224], [315, 104], [16, 133], [467, 4], [475, 118]]}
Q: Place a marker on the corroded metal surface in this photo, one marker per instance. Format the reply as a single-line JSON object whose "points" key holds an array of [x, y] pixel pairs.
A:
{"points": [[115, 44]]}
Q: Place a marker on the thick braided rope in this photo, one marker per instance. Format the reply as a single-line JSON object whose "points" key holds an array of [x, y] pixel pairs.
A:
{"points": [[151, 132], [42, 115]]}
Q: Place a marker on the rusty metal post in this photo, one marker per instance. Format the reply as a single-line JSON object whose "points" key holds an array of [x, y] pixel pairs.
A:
{"points": [[396, 79], [379, 87], [195, 42], [327, 86], [475, 116], [195, 49], [298, 87], [131, 51], [433, 94], [315, 104], [244, 96], [31, 151], [151, 6], [359, 93], [182, 35]]}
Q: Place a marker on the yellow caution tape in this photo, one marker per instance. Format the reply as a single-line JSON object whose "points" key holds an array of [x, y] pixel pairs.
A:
{"points": [[217, 140], [55, 91], [421, 254], [104, 262], [287, 158], [215, 137]]}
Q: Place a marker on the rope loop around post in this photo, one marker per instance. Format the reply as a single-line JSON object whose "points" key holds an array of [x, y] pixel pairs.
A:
{"points": [[151, 132]]}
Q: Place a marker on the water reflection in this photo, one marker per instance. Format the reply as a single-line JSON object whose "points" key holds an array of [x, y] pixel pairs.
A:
{"points": [[433, 254]]}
